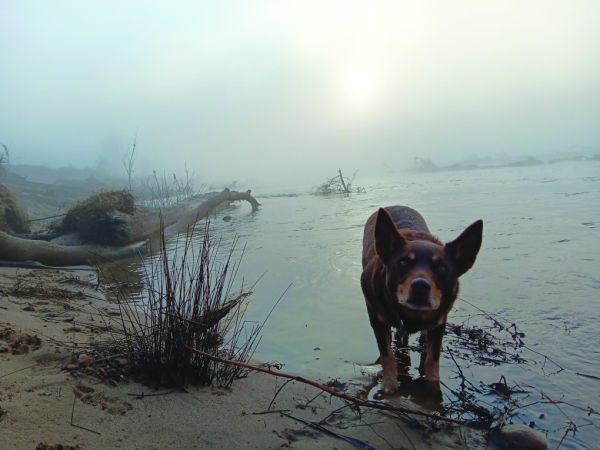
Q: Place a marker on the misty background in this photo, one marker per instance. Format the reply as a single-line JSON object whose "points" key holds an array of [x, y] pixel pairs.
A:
{"points": [[289, 91]]}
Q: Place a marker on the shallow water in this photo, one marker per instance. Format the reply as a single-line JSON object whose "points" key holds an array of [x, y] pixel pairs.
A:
{"points": [[538, 267]]}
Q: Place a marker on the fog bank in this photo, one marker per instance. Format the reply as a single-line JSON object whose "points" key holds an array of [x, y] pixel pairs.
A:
{"points": [[292, 90]]}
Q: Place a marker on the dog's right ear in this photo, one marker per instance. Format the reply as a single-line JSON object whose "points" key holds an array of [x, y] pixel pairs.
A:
{"points": [[387, 238], [463, 250]]}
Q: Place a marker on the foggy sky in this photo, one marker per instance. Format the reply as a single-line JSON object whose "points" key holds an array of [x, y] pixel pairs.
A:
{"points": [[252, 89]]}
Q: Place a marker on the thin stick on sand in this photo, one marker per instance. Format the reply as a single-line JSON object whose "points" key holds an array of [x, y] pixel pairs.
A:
{"points": [[73, 424]]}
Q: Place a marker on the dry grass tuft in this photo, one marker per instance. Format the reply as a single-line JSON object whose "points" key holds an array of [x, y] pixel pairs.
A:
{"points": [[188, 301]]}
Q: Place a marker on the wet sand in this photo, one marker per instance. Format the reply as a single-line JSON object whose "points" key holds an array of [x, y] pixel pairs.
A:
{"points": [[46, 316]]}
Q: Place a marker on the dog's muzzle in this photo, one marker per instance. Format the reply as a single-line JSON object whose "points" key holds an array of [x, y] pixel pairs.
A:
{"points": [[420, 291], [418, 294]]}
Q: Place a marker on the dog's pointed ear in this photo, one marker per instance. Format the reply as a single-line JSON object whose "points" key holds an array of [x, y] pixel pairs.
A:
{"points": [[387, 237], [463, 250]]}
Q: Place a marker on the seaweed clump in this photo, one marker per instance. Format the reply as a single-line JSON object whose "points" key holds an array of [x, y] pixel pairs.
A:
{"points": [[103, 218]]}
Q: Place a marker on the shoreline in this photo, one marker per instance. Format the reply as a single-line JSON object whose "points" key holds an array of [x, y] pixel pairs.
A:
{"points": [[47, 314]]}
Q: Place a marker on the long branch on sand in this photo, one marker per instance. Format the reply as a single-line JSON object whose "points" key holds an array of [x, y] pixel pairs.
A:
{"points": [[330, 390]]}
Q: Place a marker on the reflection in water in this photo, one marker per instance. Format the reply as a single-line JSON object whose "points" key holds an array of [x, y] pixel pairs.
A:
{"points": [[419, 391], [425, 393]]}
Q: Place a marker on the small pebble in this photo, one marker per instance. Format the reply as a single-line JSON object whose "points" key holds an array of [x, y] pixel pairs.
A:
{"points": [[515, 436], [85, 360]]}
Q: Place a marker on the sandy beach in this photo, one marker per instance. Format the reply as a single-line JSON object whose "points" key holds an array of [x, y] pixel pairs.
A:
{"points": [[50, 394]]}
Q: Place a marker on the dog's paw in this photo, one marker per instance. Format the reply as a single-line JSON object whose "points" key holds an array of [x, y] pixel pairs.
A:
{"points": [[390, 384], [432, 371], [432, 377]]}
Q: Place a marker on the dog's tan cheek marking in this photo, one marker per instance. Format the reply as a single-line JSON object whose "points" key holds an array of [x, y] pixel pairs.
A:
{"points": [[402, 292], [436, 295]]}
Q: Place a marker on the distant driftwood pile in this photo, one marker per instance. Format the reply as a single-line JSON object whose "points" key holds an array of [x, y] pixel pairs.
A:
{"points": [[143, 226], [339, 184]]}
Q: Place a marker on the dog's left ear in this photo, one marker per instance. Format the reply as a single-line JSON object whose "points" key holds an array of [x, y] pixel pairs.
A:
{"points": [[463, 250]]}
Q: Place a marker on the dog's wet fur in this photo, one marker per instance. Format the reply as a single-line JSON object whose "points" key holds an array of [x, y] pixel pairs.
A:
{"points": [[410, 282]]}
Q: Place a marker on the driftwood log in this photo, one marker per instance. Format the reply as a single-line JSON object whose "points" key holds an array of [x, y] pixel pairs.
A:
{"points": [[17, 249], [144, 230], [204, 209]]}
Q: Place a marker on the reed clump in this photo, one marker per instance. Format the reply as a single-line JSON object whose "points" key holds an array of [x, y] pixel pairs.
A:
{"points": [[188, 301]]}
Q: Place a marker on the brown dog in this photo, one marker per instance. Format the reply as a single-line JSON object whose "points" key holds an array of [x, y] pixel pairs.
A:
{"points": [[410, 282]]}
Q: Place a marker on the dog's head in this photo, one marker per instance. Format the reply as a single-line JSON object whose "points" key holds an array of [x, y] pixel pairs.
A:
{"points": [[421, 272]]}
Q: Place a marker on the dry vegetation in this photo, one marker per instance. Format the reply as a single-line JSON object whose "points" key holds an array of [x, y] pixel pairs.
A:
{"points": [[102, 218], [188, 301], [339, 184], [160, 191]]}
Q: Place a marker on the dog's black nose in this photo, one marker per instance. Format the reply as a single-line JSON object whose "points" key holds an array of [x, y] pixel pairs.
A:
{"points": [[420, 286]]}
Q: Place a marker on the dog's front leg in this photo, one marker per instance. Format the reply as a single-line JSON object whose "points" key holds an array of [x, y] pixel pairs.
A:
{"points": [[430, 359], [402, 350], [383, 334]]}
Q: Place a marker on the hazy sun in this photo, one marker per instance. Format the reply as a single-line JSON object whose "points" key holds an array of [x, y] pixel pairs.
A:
{"points": [[359, 89]]}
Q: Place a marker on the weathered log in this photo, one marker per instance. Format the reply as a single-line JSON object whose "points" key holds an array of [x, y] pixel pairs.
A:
{"points": [[191, 217], [23, 250]]}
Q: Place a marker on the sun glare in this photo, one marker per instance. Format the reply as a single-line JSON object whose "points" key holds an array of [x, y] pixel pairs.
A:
{"points": [[359, 89]]}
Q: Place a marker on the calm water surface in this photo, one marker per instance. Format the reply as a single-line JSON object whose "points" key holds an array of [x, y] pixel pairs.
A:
{"points": [[538, 267]]}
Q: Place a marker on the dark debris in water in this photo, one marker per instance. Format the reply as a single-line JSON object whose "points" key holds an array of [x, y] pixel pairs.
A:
{"points": [[489, 342], [337, 384], [502, 389], [485, 345]]}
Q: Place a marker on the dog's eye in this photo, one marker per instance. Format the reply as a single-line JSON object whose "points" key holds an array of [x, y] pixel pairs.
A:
{"points": [[441, 268], [404, 262]]}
